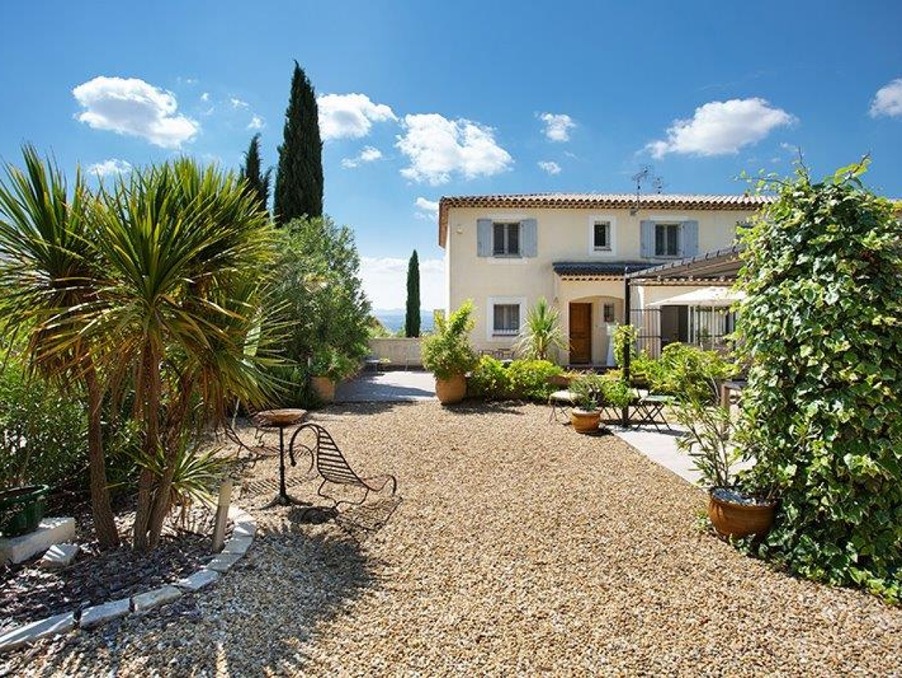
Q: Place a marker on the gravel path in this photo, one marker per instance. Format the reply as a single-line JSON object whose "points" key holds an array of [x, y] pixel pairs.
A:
{"points": [[519, 547]]}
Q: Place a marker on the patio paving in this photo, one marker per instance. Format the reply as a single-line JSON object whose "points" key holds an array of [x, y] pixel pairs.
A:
{"points": [[520, 547], [389, 386]]}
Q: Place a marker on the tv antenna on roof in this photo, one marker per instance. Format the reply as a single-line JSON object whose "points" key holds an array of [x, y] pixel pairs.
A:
{"points": [[640, 177]]}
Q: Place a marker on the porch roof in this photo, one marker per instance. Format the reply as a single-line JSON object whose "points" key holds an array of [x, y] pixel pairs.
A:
{"points": [[718, 266], [597, 269]]}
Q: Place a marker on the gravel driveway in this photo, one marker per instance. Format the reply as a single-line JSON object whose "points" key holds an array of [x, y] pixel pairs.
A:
{"points": [[520, 547]]}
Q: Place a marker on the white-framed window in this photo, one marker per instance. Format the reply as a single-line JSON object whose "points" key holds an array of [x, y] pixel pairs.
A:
{"points": [[506, 239], [504, 317], [601, 236], [667, 239], [608, 312], [602, 230]]}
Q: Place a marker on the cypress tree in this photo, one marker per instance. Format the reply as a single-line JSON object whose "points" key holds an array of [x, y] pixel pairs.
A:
{"points": [[412, 319], [299, 180], [257, 183]]}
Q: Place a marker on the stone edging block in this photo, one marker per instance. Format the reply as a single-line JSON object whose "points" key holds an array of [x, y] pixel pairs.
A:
{"points": [[243, 531]]}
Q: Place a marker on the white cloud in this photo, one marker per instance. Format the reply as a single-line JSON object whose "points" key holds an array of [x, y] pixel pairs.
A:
{"points": [[205, 97], [256, 122], [368, 154], [238, 103], [888, 100], [722, 128], [437, 148], [385, 282], [349, 116], [133, 107], [111, 166], [549, 166], [557, 126], [428, 209]]}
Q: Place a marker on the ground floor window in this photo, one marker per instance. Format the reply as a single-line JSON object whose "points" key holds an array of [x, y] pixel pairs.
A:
{"points": [[506, 319]]}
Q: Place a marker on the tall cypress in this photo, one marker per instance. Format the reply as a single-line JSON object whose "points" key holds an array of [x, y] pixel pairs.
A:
{"points": [[257, 183], [299, 180], [412, 319]]}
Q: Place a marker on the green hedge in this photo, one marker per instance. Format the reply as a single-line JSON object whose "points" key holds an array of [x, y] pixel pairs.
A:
{"points": [[520, 380]]}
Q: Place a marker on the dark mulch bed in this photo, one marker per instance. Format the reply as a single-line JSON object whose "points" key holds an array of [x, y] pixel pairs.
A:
{"points": [[29, 593]]}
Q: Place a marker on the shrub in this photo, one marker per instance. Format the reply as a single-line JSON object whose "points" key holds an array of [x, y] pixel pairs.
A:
{"points": [[689, 372], [821, 326], [447, 351], [490, 380], [43, 435], [541, 336], [529, 379]]}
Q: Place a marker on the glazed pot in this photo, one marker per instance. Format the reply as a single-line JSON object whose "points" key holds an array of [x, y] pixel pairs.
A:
{"points": [[736, 515], [451, 390], [585, 421], [21, 509]]}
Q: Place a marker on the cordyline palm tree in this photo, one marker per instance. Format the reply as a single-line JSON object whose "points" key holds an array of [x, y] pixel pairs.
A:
{"points": [[46, 276], [542, 332], [185, 250]]}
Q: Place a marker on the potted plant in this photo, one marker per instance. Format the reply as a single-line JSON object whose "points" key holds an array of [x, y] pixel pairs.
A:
{"points": [[733, 511], [21, 509], [448, 355], [328, 367], [586, 391]]}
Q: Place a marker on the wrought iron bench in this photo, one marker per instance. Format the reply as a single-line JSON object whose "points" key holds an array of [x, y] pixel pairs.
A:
{"points": [[334, 468]]}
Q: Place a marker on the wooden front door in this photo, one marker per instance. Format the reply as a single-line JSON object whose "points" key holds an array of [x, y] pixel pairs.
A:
{"points": [[580, 334]]}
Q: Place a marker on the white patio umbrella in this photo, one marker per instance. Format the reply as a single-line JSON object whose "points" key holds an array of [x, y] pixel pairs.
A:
{"points": [[700, 301], [706, 296]]}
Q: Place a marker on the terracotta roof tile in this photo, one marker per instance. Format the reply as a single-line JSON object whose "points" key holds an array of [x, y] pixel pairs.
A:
{"points": [[597, 201]]}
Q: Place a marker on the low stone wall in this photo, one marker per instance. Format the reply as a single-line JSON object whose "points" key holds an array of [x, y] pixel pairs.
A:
{"points": [[398, 352]]}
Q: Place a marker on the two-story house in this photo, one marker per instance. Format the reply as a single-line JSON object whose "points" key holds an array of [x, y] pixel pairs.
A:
{"points": [[506, 251]]}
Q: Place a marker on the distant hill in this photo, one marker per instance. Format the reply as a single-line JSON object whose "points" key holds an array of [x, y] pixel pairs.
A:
{"points": [[393, 319]]}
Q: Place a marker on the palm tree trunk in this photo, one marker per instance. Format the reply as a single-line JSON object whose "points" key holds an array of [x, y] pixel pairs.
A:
{"points": [[148, 391], [104, 524], [172, 435]]}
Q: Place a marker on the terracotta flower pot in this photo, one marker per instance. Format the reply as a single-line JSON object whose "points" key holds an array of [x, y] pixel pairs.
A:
{"points": [[584, 421], [451, 390], [734, 519], [324, 388]]}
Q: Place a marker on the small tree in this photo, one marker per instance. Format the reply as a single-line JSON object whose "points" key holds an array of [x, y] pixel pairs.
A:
{"points": [[412, 319], [299, 180], [257, 183], [541, 335], [821, 328]]}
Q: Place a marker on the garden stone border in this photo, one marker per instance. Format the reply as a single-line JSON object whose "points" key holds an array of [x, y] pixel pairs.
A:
{"points": [[244, 527]]}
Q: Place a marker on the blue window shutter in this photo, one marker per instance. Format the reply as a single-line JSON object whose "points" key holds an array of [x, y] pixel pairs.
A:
{"points": [[647, 239], [529, 237], [689, 239], [483, 237]]}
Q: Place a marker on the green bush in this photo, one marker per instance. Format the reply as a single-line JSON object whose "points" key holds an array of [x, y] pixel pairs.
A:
{"points": [[689, 372], [447, 351], [43, 435], [529, 379], [821, 328], [490, 380]]}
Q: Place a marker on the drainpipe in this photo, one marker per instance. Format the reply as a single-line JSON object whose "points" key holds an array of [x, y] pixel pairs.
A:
{"points": [[625, 414]]}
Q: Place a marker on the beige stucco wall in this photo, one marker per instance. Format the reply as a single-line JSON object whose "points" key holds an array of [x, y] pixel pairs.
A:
{"points": [[563, 235], [397, 351]]}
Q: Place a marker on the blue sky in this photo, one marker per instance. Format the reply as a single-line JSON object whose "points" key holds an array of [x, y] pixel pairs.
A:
{"points": [[424, 99]]}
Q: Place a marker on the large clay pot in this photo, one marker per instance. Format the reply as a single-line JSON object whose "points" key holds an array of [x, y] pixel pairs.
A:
{"points": [[324, 388], [21, 509], [733, 519], [451, 390], [585, 421]]}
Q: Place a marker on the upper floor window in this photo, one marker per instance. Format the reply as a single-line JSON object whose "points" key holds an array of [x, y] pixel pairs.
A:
{"points": [[506, 239], [667, 240], [601, 236], [668, 237]]}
